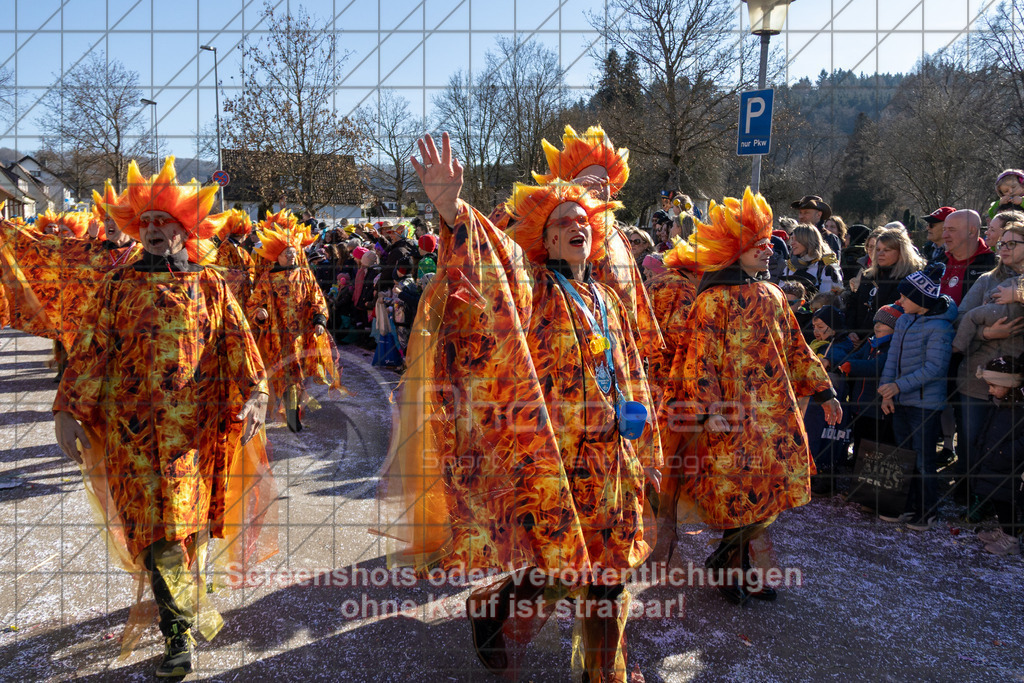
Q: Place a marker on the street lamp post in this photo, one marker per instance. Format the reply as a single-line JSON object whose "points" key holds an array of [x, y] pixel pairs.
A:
{"points": [[767, 18], [216, 95], [156, 137]]}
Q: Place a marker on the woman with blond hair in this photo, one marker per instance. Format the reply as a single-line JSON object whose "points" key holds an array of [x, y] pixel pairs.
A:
{"points": [[893, 259], [811, 255]]}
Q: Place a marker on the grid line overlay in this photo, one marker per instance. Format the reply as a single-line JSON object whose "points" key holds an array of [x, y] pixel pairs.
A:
{"points": [[313, 532]]}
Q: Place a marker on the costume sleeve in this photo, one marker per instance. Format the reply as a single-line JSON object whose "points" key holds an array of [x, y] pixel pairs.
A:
{"points": [[698, 365], [244, 364], [806, 372], [260, 297], [81, 387], [316, 297], [648, 446]]}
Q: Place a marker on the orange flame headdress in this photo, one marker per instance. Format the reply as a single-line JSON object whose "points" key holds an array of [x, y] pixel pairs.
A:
{"points": [[75, 221], [108, 198], [593, 148], [734, 227], [236, 222], [530, 206], [189, 203], [278, 232], [683, 255]]}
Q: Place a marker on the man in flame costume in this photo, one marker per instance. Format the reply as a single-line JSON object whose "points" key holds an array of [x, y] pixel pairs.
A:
{"points": [[233, 261], [671, 293], [53, 270], [508, 454], [290, 312], [162, 403], [739, 372]]}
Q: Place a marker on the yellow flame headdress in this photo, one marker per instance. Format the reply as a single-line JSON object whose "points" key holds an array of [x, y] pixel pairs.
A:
{"points": [[109, 197], [278, 232], [734, 226], [683, 255], [530, 206], [189, 203], [236, 222], [593, 148]]}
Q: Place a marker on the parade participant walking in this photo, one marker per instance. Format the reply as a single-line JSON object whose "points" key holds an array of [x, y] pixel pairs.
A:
{"points": [[162, 393], [233, 261], [290, 311], [557, 383], [54, 278], [742, 371]]}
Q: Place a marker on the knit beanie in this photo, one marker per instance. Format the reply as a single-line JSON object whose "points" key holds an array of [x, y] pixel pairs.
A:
{"points": [[358, 252], [831, 316], [922, 287], [428, 243], [888, 315]]}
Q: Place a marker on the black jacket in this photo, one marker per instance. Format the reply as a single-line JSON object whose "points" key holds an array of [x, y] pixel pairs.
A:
{"points": [[871, 295]]}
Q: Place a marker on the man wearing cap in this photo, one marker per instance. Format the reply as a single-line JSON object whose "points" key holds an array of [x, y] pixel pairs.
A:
{"points": [[934, 248], [813, 210], [966, 255]]}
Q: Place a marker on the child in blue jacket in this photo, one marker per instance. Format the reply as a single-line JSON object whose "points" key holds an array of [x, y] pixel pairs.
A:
{"points": [[863, 368], [913, 384]]}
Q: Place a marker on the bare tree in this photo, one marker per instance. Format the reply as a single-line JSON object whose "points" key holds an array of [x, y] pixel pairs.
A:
{"points": [[292, 141], [469, 111], [531, 97], [95, 115], [690, 78], [7, 91], [392, 131], [936, 143], [1002, 55]]}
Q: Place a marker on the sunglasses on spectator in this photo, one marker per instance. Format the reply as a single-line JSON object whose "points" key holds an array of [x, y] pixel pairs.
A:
{"points": [[637, 243], [1009, 244]]}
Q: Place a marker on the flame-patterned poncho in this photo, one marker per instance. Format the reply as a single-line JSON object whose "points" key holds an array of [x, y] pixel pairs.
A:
{"points": [[152, 377], [505, 454], [295, 305], [233, 261], [53, 280], [747, 360]]}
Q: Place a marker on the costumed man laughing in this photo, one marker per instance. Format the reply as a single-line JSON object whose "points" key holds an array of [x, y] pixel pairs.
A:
{"points": [[146, 407], [742, 370], [524, 439], [289, 309]]}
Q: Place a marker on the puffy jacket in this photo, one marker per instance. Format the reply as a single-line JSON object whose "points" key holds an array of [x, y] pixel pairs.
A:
{"points": [[863, 368], [919, 356]]}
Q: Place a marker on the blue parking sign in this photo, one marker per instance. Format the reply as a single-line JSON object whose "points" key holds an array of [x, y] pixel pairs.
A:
{"points": [[755, 131]]}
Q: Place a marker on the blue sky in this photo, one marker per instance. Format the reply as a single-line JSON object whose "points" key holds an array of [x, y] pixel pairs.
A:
{"points": [[412, 45]]}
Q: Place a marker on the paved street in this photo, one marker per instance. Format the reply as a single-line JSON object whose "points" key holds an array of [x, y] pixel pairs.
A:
{"points": [[876, 602]]}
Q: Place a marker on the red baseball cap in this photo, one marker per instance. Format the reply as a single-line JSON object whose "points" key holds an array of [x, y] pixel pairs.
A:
{"points": [[939, 215]]}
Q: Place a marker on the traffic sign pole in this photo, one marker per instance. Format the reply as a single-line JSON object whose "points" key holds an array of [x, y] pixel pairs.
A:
{"points": [[762, 77]]}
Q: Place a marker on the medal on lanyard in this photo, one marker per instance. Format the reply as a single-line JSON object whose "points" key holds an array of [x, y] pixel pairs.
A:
{"points": [[598, 340]]}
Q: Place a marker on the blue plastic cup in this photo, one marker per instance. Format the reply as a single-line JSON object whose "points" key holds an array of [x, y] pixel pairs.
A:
{"points": [[632, 418]]}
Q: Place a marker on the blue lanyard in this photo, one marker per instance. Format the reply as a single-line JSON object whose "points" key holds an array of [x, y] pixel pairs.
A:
{"points": [[603, 329]]}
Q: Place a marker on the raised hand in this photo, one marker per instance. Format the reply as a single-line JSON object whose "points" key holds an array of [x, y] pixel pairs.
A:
{"points": [[440, 174]]}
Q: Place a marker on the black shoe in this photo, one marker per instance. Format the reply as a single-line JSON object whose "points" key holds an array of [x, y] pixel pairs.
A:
{"points": [[488, 641], [737, 595], [767, 594], [946, 458], [291, 418], [178, 651]]}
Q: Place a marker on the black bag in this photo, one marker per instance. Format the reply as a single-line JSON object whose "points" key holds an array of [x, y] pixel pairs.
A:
{"points": [[882, 477]]}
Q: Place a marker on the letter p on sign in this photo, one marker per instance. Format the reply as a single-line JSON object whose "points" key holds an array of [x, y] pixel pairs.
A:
{"points": [[755, 126], [755, 108]]}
